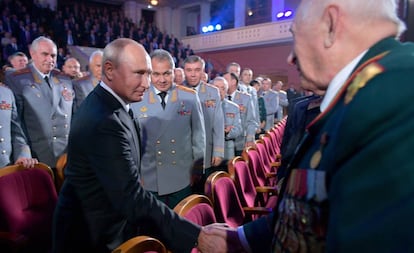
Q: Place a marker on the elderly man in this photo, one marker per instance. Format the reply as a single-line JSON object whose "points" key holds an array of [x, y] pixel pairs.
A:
{"points": [[346, 186], [71, 67]]}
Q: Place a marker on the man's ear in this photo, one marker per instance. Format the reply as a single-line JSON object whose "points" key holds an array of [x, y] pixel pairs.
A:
{"points": [[108, 70], [331, 20]]}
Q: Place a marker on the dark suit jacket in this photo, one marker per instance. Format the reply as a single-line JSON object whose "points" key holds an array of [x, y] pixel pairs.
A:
{"points": [[102, 194], [366, 155]]}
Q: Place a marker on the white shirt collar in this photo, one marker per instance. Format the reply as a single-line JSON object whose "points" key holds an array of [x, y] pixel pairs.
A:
{"points": [[40, 73], [106, 87], [338, 81]]}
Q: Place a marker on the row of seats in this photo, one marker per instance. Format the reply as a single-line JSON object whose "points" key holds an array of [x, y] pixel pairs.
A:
{"points": [[235, 197]]}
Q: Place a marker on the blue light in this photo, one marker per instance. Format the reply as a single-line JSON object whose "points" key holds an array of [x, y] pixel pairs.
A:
{"points": [[218, 27], [210, 28], [280, 14], [288, 13], [204, 29]]}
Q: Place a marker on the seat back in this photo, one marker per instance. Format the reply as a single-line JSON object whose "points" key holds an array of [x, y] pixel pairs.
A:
{"points": [[141, 244], [256, 167], [196, 208], [221, 190], [239, 172], [27, 201]]}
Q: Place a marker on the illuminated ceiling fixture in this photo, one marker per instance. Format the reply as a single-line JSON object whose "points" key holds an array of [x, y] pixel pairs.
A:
{"points": [[250, 13], [154, 2]]}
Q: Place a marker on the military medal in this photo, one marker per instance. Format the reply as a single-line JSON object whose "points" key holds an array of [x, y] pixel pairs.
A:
{"points": [[317, 156]]}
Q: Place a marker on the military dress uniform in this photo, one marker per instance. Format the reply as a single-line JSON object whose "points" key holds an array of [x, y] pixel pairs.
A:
{"points": [[350, 180], [248, 121], [271, 100], [13, 143], [82, 86], [45, 111], [255, 99], [231, 113], [172, 140], [213, 121]]}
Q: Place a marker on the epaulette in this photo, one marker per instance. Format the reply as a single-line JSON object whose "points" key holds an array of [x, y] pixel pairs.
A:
{"points": [[57, 72], [82, 78], [21, 71], [184, 88]]}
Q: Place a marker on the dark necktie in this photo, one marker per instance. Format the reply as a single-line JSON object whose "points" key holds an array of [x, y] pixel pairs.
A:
{"points": [[162, 94], [47, 81], [229, 97], [131, 113]]}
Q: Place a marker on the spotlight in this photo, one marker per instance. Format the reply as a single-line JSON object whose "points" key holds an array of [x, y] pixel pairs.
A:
{"points": [[154, 2], [210, 28], [218, 27], [284, 14], [280, 14], [288, 13], [250, 13], [204, 29]]}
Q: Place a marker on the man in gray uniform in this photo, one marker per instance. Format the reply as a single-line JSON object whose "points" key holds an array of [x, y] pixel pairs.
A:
{"points": [[172, 133], [44, 98], [212, 112], [232, 122], [248, 120], [13, 143], [85, 84], [271, 100]]}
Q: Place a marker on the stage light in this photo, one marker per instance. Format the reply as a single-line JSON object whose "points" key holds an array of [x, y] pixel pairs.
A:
{"points": [[280, 14], [204, 29], [250, 13], [218, 27], [284, 14], [210, 28], [154, 2]]}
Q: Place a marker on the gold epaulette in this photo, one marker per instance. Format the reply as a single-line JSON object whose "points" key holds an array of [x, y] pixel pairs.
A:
{"points": [[184, 88], [82, 78], [21, 71]]}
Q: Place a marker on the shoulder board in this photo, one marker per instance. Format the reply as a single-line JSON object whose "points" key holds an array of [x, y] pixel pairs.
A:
{"points": [[21, 71], [184, 88], [243, 93], [211, 86], [366, 74]]}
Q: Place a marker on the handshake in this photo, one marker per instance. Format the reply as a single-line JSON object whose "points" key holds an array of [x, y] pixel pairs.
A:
{"points": [[219, 238]]}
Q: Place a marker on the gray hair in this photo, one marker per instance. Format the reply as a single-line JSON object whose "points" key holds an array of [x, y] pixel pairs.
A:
{"points": [[163, 55], [193, 59], [35, 43], [220, 78], [94, 53]]}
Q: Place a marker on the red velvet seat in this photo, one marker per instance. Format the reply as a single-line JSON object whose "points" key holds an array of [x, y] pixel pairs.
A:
{"points": [[196, 208], [27, 202]]}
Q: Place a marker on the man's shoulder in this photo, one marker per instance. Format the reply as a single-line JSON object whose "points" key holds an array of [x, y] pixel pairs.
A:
{"points": [[230, 104], [21, 72], [185, 89]]}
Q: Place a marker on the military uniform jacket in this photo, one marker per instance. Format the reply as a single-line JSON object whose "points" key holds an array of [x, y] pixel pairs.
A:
{"points": [[13, 143], [82, 87], [213, 121], [353, 167], [172, 140], [248, 121], [45, 112], [231, 113]]}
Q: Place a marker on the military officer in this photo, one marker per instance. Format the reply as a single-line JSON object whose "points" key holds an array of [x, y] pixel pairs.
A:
{"points": [[232, 122], [44, 99], [248, 121], [212, 111], [271, 101], [85, 84], [173, 136], [13, 143]]}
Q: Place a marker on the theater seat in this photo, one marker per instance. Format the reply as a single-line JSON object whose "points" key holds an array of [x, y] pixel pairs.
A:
{"points": [[27, 202], [196, 208], [141, 244], [60, 168]]}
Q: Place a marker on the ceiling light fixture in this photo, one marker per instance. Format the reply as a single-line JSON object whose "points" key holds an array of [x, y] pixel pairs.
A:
{"points": [[154, 2]]}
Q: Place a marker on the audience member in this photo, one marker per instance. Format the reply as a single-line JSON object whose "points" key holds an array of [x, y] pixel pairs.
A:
{"points": [[271, 100], [71, 67], [248, 121], [18, 60], [173, 135], [84, 85], [213, 115], [13, 142], [341, 170], [179, 76], [44, 98], [102, 195], [283, 100], [232, 122], [262, 108]]}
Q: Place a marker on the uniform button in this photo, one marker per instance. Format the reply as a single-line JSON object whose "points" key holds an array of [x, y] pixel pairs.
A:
{"points": [[158, 142], [1, 126], [1, 139], [65, 126], [67, 136], [174, 162], [3, 152], [66, 116], [54, 138], [54, 128], [173, 152], [160, 163], [172, 141], [159, 152]]}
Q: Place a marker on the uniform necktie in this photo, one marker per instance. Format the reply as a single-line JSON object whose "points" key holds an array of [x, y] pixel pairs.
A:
{"points": [[229, 97], [131, 113], [47, 81], [162, 94]]}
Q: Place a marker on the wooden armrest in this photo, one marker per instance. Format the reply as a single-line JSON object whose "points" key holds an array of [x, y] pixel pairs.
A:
{"points": [[270, 174], [257, 210], [275, 164], [267, 189]]}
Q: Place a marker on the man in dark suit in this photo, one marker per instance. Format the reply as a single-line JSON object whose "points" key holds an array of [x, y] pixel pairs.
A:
{"points": [[350, 180], [102, 198]]}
